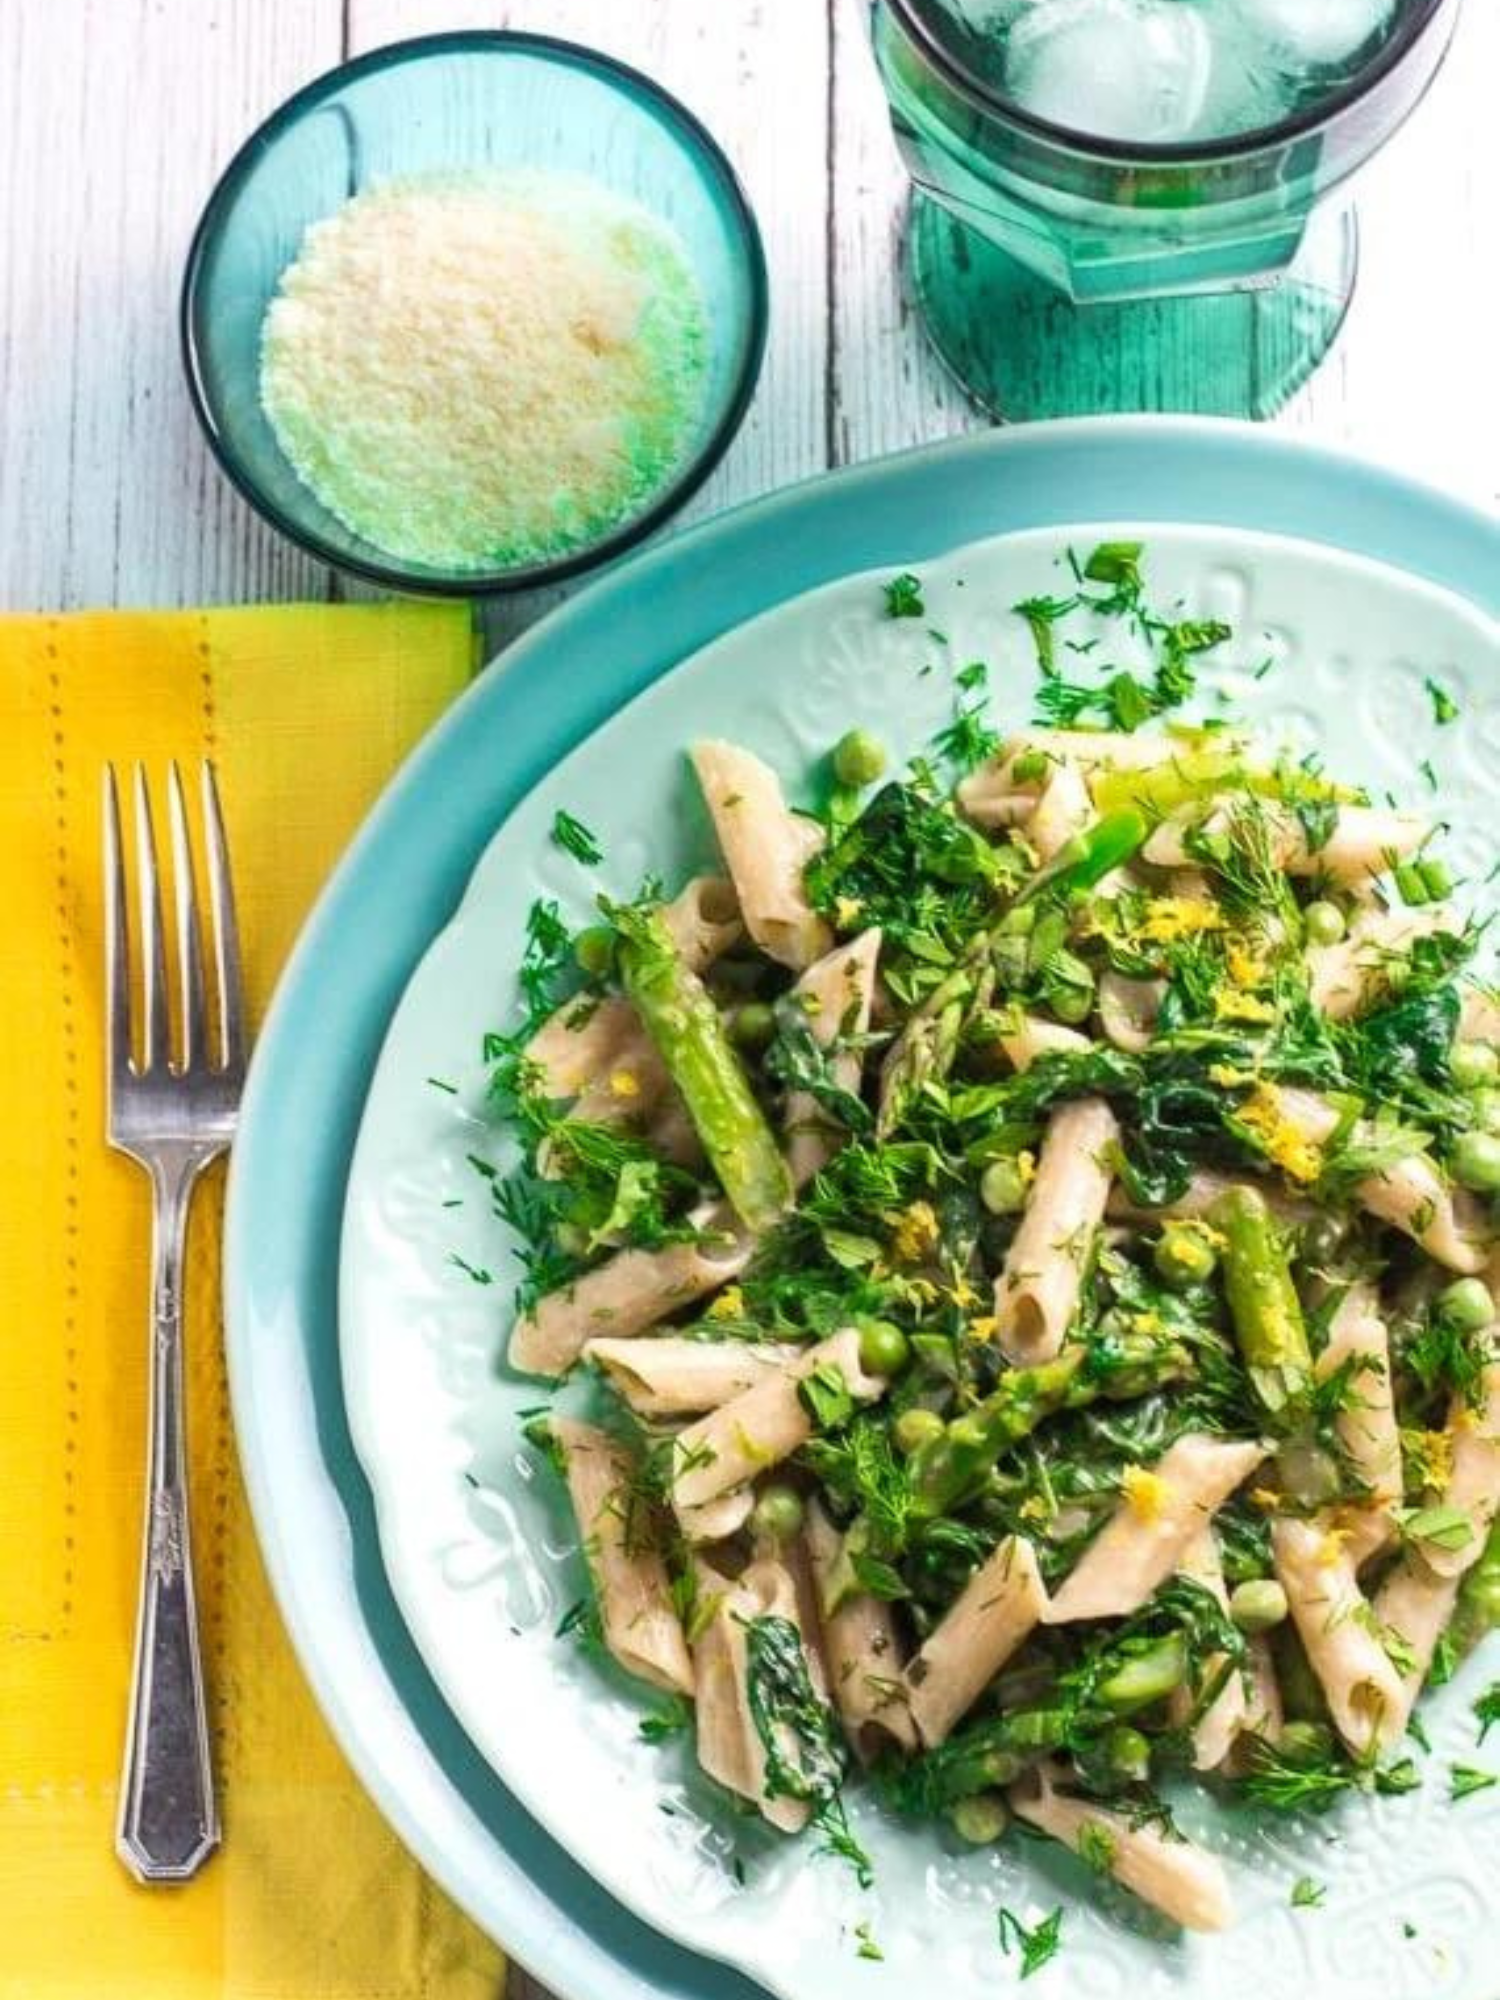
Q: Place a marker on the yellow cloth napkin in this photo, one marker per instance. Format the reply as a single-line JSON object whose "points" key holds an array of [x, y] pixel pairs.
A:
{"points": [[305, 711]]}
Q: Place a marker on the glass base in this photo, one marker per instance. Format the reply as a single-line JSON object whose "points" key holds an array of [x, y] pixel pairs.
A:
{"points": [[1022, 349]]}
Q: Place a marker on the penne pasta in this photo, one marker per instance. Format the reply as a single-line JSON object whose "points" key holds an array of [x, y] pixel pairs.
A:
{"points": [[1227, 1715], [741, 1439], [1029, 1039], [1412, 1609], [1365, 841], [641, 1627], [1172, 1875], [1150, 1531], [1473, 1485], [1063, 809], [704, 921], [862, 1648], [1340, 1634], [765, 847], [627, 1295], [1410, 1194], [996, 1612], [1128, 1009], [1367, 1425], [837, 994], [1343, 978], [729, 1744], [674, 1375], [1037, 1294]]}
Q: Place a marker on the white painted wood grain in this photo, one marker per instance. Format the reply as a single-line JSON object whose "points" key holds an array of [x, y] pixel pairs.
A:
{"points": [[115, 114], [114, 117]]}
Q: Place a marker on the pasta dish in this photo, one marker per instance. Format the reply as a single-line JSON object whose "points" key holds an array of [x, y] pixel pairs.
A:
{"points": [[1026, 1228]]}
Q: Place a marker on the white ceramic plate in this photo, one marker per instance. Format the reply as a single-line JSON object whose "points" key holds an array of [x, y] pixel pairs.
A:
{"points": [[478, 1545]]}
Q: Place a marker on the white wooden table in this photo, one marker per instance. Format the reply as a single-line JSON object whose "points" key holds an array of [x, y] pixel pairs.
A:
{"points": [[115, 116]]}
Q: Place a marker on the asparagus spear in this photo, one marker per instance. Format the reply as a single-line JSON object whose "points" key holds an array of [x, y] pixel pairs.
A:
{"points": [[1263, 1302], [946, 1471], [1089, 856], [683, 1022]]}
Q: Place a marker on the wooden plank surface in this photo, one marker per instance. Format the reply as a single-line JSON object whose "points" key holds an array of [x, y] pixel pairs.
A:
{"points": [[115, 115]]}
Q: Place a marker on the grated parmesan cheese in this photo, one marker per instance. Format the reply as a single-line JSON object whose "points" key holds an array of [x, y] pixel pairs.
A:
{"points": [[480, 371]]}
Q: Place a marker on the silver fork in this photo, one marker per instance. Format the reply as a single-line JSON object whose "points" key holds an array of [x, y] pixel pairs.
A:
{"points": [[172, 1116]]}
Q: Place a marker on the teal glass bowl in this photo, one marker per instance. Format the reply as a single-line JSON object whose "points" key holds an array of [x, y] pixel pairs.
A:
{"points": [[460, 102]]}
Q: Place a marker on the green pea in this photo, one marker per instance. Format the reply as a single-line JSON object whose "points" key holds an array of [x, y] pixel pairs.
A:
{"points": [[1184, 1256], [1309, 1474], [1475, 1162], [753, 1025], [594, 951], [1128, 1753], [1473, 1064], [858, 758], [979, 1820], [571, 1240], [883, 1348], [1031, 767], [1257, 1605], [777, 1515], [1147, 1678], [1324, 923], [915, 1428], [1071, 1000], [1484, 1110], [1002, 1187], [1466, 1305]]}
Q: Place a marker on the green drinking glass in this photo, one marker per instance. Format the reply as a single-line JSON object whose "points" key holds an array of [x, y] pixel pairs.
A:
{"points": [[1131, 204]]}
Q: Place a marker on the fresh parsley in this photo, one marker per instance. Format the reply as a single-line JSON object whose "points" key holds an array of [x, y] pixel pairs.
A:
{"points": [[1307, 1894], [1487, 1709]]}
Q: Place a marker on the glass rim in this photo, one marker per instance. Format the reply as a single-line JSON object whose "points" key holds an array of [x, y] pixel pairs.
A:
{"points": [[389, 572], [1414, 23]]}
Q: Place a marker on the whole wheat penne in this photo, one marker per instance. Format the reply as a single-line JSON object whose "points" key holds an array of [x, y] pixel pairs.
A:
{"points": [[836, 994], [1173, 1876], [631, 1292], [1338, 1630], [765, 847], [641, 1626], [1150, 1531], [993, 1616], [743, 1438], [674, 1375], [1037, 1294]]}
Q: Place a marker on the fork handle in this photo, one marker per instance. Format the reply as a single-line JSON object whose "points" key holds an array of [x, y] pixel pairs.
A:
{"points": [[169, 1822]]}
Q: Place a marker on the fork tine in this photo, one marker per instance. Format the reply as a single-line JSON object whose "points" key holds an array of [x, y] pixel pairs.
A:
{"points": [[116, 938], [226, 927], [189, 940], [157, 1040]]}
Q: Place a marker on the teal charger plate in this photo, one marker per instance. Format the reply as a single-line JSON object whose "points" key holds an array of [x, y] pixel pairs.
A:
{"points": [[397, 887]]}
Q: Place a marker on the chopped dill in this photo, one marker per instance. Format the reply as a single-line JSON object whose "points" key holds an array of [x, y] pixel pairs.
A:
{"points": [[1038, 1946], [574, 838]]}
